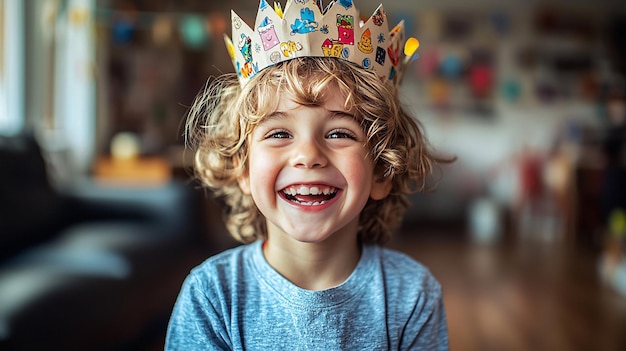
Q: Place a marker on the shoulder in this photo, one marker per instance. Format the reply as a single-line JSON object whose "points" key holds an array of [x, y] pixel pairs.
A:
{"points": [[221, 268], [213, 285], [403, 273], [417, 310], [223, 259], [203, 309], [396, 260]]}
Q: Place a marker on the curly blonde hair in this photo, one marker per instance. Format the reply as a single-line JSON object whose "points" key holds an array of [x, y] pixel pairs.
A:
{"points": [[224, 114]]}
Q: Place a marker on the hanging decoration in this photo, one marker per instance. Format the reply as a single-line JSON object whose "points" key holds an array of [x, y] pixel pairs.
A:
{"points": [[162, 30], [79, 16], [122, 31], [451, 66], [194, 29], [49, 12]]}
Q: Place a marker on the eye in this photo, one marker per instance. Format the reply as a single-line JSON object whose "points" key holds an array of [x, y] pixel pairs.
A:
{"points": [[341, 134], [278, 134]]}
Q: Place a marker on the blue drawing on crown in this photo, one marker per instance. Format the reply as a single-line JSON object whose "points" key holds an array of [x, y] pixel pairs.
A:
{"points": [[392, 74], [381, 38], [305, 24], [366, 62], [345, 3], [245, 47], [324, 29], [345, 53], [263, 5], [380, 55], [249, 68]]}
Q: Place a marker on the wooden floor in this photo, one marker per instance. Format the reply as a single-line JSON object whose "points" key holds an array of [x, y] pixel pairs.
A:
{"points": [[527, 296]]}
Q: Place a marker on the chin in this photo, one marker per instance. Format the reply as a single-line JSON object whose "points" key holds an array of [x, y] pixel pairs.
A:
{"points": [[314, 237], [310, 239]]}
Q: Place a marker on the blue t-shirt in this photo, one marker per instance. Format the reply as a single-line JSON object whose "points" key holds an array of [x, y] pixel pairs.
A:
{"points": [[237, 301]]}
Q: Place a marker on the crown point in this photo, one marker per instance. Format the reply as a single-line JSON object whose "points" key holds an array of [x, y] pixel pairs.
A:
{"points": [[278, 9], [411, 46], [230, 47]]}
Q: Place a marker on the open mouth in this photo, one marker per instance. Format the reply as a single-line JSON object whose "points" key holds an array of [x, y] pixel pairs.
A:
{"points": [[309, 195]]}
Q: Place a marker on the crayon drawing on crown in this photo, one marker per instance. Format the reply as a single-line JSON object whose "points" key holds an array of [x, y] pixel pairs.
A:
{"points": [[245, 47], [290, 48], [268, 34], [306, 28], [365, 45], [306, 23], [345, 26]]}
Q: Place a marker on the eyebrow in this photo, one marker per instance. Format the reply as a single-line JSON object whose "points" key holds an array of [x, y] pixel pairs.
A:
{"points": [[334, 114], [342, 114], [275, 115]]}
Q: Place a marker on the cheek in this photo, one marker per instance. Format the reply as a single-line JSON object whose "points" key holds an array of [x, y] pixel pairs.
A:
{"points": [[262, 172], [359, 170], [257, 160]]}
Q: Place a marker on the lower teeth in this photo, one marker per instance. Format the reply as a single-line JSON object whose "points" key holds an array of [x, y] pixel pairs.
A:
{"points": [[317, 203]]}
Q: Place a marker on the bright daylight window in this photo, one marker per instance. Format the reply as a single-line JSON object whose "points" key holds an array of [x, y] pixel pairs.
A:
{"points": [[47, 79], [11, 66]]}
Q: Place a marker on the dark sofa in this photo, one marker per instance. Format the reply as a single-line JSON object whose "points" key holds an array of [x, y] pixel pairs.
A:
{"points": [[88, 266]]}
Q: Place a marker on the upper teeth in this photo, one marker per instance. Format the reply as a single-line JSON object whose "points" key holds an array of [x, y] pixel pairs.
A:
{"points": [[313, 190]]}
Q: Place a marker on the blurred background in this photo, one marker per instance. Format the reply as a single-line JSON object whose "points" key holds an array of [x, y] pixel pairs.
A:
{"points": [[100, 219]]}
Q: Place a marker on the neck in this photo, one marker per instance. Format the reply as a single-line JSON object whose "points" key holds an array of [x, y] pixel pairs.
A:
{"points": [[314, 266]]}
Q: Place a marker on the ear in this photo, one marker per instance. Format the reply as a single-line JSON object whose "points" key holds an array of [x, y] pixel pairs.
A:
{"points": [[380, 189], [244, 184]]}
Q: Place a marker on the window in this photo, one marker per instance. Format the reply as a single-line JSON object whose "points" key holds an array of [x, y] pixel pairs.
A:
{"points": [[11, 66]]}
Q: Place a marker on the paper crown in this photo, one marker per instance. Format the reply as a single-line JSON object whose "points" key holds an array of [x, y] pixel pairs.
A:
{"points": [[303, 29]]}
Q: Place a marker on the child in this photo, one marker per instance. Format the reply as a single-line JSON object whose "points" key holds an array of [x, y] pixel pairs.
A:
{"points": [[313, 156]]}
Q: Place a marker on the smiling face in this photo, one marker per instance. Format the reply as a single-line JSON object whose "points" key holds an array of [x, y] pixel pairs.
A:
{"points": [[309, 172], [223, 118]]}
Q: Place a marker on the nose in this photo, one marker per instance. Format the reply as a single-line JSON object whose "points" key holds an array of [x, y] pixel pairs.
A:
{"points": [[308, 153]]}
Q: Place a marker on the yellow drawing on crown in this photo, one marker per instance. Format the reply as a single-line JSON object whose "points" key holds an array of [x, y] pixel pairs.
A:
{"points": [[365, 45], [332, 49], [289, 48]]}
